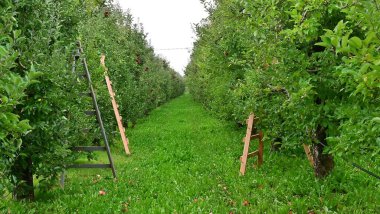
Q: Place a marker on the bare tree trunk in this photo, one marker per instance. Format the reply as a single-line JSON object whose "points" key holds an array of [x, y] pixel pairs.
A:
{"points": [[323, 163], [22, 170]]}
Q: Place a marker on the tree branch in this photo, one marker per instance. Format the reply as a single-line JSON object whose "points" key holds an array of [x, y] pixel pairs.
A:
{"points": [[279, 90]]}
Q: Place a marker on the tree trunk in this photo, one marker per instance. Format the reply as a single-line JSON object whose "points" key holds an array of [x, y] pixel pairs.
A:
{"points": [[323, 163], [22, 170]]}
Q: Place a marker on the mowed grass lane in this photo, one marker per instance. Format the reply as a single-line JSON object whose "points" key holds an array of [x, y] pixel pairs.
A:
{"points": [[186, 161]]}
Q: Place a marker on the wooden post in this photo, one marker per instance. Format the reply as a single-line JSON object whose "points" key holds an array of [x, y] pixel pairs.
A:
{"points": [[247, 141], [115, 107]]}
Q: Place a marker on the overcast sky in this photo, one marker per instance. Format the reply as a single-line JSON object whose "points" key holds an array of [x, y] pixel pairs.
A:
{"points": [[169, 25]]}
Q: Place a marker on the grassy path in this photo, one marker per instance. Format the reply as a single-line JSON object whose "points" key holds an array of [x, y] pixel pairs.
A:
{"points": [[186, 161]]}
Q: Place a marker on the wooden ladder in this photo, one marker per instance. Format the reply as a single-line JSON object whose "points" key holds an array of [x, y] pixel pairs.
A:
{"points": [[247, 140], [78, 56], [115, 106]]}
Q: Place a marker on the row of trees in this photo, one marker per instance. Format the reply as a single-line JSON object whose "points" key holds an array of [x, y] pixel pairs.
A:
{"points": [[41, 111], [309, 69]]}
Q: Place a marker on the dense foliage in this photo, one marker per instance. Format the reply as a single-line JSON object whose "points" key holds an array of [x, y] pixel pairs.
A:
{"points": [[41, 112], [12, 87], [127, 49], [309, 69]]}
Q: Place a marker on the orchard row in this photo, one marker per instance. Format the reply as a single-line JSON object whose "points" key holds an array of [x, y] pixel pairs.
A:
{"points": [[41, 110], [309, 69]]}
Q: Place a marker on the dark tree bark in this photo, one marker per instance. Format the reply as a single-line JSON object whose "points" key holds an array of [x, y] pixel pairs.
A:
{"points": [[22, 169], [323, 163]]}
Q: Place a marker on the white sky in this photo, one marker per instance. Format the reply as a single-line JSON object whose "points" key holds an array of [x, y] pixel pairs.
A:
{"points": [[169, 25]]}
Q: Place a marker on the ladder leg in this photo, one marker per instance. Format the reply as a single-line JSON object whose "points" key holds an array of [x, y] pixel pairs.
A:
{"points": [[247, 141], [77, 57], [105, 138], [99, 118], [73, 68], [117, 116], [244, 158], [62, 179]]}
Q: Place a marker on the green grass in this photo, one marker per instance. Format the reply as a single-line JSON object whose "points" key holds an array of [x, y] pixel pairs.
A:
{"points": [[186, 161]]}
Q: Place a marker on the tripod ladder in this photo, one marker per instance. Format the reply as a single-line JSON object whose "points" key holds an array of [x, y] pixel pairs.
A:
{"points": [[79, 56]]}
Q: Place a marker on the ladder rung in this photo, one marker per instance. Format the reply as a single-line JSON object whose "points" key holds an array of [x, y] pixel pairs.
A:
{"points": [[252, 137], [89, 148], [91, 112], [90, 166], [255, 136], [252, 154], [249, 155]]}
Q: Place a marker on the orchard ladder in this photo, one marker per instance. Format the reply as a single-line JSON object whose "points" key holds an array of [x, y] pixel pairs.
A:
{"points": [[115, 106], [78, 56], [247, 140]]}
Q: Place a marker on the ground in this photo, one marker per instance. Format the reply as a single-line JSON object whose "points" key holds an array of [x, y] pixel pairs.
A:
{"points": [[185, 160]]}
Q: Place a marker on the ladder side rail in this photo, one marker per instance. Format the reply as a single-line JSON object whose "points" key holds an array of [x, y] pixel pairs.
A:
{"points": [[98, 116], [118, 117]]}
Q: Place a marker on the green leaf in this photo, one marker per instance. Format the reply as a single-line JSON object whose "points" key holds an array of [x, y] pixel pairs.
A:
{"points": [[3, 51], [376, 119], [355, 42], [323, 44], [16, 33], [364, 68], [4, 100], [335, 42], [345, 41], [339, 27], [371, 36]]}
